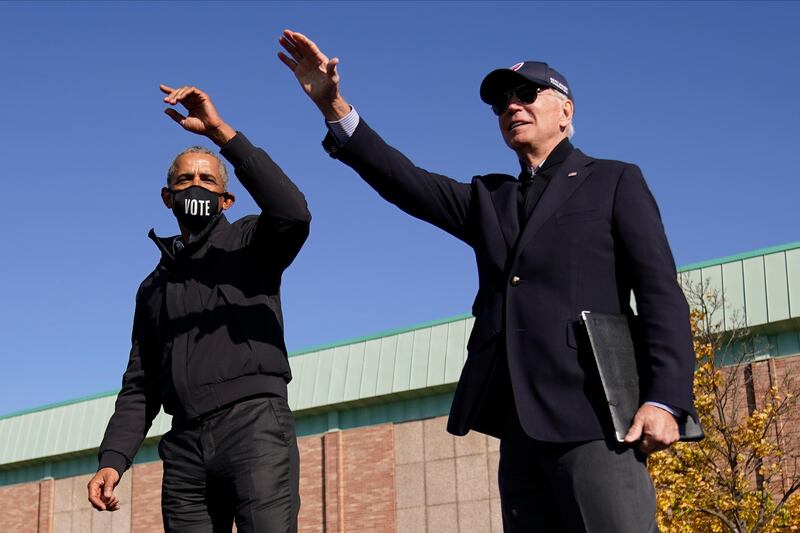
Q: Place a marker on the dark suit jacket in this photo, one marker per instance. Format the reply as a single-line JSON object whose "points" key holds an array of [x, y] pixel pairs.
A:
{"points": [[595, 235]]}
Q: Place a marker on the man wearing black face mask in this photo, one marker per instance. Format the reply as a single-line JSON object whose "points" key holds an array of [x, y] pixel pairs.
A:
{"points": [[208, 346], [195, 192], [194, 205]]}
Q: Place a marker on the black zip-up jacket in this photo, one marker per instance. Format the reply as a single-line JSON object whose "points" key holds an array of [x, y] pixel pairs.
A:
{"points": [[208, 327]]}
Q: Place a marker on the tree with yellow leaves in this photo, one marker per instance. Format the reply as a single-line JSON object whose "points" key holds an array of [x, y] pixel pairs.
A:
{"points": [[743, 476]]}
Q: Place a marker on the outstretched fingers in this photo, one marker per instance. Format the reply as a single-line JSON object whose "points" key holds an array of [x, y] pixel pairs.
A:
{"points": [[182, 93], [288, 61], [302, 48], [179, 95], [294, 58], [174, 115], [173, 97], [304, 45], [289, 44], [172, 94]]}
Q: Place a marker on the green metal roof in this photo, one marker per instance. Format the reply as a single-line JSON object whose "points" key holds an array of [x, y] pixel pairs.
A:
{"points": [[358, 376], [62, 430], [738, 257], [758, 289]]}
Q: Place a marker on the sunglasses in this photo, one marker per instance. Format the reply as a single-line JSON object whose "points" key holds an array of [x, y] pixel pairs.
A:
{"points": [[526, 94]]}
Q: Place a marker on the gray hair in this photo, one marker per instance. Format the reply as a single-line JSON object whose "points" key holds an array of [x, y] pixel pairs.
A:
{"points": [[223, 172], [563, 97]]}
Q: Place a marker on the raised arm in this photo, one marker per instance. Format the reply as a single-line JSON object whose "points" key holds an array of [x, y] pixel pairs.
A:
{"points": [[283, 225], [432, 197], [316, 74]]}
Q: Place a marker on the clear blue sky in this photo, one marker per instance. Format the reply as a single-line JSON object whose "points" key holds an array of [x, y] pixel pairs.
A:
{"points": [[703, 96]]}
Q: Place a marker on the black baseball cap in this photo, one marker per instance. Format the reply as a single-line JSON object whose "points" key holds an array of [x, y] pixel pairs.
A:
{"points": [[498, 81]]}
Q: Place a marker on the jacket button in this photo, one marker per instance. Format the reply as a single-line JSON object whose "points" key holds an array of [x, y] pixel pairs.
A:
{"points": [[515, 281]]}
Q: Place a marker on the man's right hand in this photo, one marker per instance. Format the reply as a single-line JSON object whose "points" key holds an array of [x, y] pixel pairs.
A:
{"points": [[316, 73], [101, 490], [201, 118]]}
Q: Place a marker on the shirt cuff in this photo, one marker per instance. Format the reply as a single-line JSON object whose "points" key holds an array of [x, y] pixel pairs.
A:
{"points": [[674, 411], [344, 128]]}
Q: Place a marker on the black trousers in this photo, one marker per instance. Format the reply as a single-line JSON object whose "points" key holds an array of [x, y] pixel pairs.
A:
{"points": [[239, 463], [595, 486]]}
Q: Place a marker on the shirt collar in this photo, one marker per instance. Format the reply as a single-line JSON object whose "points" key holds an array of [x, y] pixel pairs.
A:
{"points": [[556, 157], [178, 244]]}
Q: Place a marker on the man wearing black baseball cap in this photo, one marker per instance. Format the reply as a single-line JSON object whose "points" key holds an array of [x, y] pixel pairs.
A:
{"points": [[570, 233], [526, 72]]}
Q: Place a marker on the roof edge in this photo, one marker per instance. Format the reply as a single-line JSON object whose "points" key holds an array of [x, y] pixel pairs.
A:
{"points": [[55, 405], [387, 333], [738, 257]]}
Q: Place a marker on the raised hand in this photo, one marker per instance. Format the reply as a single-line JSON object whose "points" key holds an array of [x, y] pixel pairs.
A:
{"points": [[316, 73], [201, 118]]}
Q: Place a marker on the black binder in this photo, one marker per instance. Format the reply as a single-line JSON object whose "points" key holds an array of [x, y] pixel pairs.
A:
{"points": [[615, 355]]}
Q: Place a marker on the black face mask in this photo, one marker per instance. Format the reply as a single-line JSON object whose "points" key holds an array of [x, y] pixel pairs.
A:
{"points": [[195, 207]]}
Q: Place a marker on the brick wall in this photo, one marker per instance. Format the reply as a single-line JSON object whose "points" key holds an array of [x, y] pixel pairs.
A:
{"points": [[145, 516], [347, 481], [364, 484], [784, 374], [27, 508], [312, 503]]}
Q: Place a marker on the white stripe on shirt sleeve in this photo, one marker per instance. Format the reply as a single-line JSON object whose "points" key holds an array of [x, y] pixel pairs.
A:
{"points": [[344, 128]]}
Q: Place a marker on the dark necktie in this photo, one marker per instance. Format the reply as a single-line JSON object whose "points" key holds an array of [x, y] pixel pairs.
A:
{"points": [[531, 188]]}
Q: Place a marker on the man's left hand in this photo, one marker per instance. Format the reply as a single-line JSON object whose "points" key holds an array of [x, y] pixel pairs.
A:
{"points": [[201, 118], [655, 428]]}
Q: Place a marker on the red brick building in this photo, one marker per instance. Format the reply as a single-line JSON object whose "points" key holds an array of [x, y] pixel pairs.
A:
{"points": [[371, 413]]}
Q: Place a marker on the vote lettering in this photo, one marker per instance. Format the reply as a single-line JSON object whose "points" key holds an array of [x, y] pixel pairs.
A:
{"points": [[197, 207]]}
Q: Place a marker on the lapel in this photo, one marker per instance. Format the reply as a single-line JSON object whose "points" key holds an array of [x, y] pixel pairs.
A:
{"points": [[505, 199], [572, 173]]}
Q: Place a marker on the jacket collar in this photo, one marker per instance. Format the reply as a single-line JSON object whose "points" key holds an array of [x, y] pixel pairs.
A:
{"points": [[558, 155], [167, 244], [566, 180], [506, 198]]}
